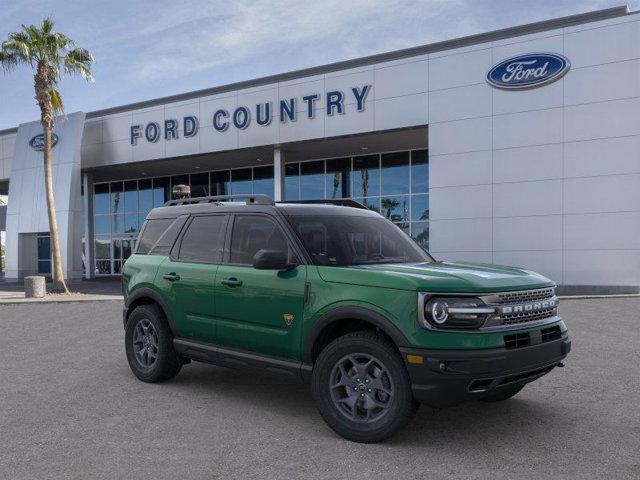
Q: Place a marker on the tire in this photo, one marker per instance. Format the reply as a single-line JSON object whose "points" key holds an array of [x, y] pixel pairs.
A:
{"points": [[354, 408], [501, 395], [161, 361]]}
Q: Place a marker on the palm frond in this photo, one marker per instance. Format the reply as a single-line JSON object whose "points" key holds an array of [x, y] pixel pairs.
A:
{"points": [[56, 101], [47, 25], [79, 60], [8, 60]]}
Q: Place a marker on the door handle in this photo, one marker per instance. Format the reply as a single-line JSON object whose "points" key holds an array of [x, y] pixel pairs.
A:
{"points": [[232, 282], [172, 277]]}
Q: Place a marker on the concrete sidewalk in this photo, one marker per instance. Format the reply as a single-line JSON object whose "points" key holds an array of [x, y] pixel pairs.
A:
{"points": [[85, 291]]}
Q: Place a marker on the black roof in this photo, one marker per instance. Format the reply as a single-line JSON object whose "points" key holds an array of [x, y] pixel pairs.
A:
{"points": [[258, 203]]}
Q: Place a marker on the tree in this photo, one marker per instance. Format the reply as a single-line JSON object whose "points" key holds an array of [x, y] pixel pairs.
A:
{"points": [[48, 54]]}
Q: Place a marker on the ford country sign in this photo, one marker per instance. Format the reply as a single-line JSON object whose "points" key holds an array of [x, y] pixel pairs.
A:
{"points": [[37, 142], [528, 71]]}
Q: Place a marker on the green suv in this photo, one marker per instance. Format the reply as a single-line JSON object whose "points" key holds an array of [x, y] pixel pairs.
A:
{"points": [[335, 295]]}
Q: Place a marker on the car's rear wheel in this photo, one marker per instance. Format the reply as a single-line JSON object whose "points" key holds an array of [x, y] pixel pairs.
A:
{"points": [[501, 394], [149, 345], [362, 388]]}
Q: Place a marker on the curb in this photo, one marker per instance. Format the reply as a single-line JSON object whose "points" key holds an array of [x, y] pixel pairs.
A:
{"points": [[69, 299]]}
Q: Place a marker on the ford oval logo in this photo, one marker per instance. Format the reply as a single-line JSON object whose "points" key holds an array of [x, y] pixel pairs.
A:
{"points": [[37, 142], [528, 71]]}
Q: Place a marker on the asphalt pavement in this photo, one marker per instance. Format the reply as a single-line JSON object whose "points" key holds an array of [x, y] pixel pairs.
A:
{"points": [[70, 408]]}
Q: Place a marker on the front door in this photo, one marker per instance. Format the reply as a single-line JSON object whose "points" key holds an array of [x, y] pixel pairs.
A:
{"points": [[259, 310], [187, 277]]}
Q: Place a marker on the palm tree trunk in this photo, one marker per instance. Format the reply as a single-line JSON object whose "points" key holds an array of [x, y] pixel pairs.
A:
{"points": [[59, 285]]}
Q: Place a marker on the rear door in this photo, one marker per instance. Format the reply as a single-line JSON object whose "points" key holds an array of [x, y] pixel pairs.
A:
{"points": [[187, 276], [259, 310]]}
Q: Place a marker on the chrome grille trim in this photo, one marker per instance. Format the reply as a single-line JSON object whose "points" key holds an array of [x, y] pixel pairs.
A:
{"points": [[526, 296]]}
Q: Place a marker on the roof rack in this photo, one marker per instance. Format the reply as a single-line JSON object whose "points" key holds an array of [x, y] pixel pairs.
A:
{"points": [[258, 199], [339, 202]]}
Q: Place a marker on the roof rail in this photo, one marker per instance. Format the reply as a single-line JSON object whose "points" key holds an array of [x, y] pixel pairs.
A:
{"points": [[340, 202], [258, 199]]}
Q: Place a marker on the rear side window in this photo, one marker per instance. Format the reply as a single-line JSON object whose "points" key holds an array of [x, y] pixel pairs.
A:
{"points": [[204, 239], [168, 238], [152, 232]]}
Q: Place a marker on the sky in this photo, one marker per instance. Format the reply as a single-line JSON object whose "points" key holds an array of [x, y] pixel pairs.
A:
{"points": [[145, 50]]}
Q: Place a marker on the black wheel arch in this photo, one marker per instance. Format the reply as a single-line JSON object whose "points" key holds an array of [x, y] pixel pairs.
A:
{"points": [[338, 315], [145, 295]]}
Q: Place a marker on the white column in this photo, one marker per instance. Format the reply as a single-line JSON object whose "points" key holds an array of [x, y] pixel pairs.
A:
{"points": [[278, 174], [87, 186]]}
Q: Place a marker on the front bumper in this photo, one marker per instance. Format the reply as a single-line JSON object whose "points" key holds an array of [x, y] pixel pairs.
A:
{"points": [[449, 377]]}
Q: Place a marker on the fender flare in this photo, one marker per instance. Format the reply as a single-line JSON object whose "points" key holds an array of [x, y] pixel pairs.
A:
{"points": [[351, 313], [146, 292]]}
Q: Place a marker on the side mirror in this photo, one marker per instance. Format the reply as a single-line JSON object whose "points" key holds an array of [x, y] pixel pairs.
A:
{"points": [[272, 260]]}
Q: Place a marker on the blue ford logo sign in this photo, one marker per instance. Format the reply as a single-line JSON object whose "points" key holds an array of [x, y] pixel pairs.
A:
{"points": [[528, 71], [37, 142]]}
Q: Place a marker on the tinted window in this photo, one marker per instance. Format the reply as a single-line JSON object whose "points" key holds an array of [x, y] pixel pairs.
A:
{"points": [[355, 240], [168, 238], [151, 233], [204, 239], [253, 233]]}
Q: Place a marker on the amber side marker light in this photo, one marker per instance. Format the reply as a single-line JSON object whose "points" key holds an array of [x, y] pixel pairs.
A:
{"points": [[415, 359]]}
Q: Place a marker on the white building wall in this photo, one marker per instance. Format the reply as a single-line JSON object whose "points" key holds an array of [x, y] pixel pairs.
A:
{"points": [[7, 149], [547, 178]]}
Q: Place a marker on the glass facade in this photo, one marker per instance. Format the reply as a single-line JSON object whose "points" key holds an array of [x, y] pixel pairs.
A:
{"points": [[396, 184], [119, 208]]}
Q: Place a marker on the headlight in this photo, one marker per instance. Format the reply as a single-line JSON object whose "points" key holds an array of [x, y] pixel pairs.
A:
{"points": [[455, 313]]}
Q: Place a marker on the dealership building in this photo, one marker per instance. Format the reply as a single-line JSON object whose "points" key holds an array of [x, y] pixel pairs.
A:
{"points": [[519, 146]]}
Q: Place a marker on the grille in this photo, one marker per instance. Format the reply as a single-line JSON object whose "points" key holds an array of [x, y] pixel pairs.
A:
{"points": [[517, 340], [549, 334], [525, 296], [527, 375], [523, 317]]}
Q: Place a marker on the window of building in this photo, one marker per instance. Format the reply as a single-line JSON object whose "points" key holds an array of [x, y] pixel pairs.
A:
{"points": [[366, 176], [241, 181], [263, 180], [312, 180], [161, 191], [220, 183], [44, 253], [292, 181], [338, 178], [395, 173], [199, 184], [204, 239], [396, 184]]}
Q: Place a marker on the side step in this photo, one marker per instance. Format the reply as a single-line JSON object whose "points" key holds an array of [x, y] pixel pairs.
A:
{"points": [[225, 357]]}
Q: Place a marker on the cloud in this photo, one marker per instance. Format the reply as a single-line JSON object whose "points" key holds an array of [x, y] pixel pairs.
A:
{"points": [[149, 49]]}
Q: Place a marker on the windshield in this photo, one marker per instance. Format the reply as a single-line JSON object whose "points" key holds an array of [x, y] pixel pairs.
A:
{"points": [[342, 240]]}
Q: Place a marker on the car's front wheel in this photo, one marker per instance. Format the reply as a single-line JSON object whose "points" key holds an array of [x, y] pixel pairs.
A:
{"points": [[149, 345], [362, 388]]}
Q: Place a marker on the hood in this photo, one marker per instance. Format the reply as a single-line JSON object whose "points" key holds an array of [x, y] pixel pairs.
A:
{"points": [[450, 277]]}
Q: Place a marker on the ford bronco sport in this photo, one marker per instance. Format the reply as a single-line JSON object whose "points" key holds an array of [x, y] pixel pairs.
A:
{"points": [[337, 296]]}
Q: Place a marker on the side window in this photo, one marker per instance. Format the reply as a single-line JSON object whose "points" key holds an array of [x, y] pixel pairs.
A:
{"points": [[204, 239], [168, 238], [152, 231], [252, 233]]}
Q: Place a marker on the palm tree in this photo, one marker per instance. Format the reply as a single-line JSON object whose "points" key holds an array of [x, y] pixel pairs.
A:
{"points": [[47, 53]]}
